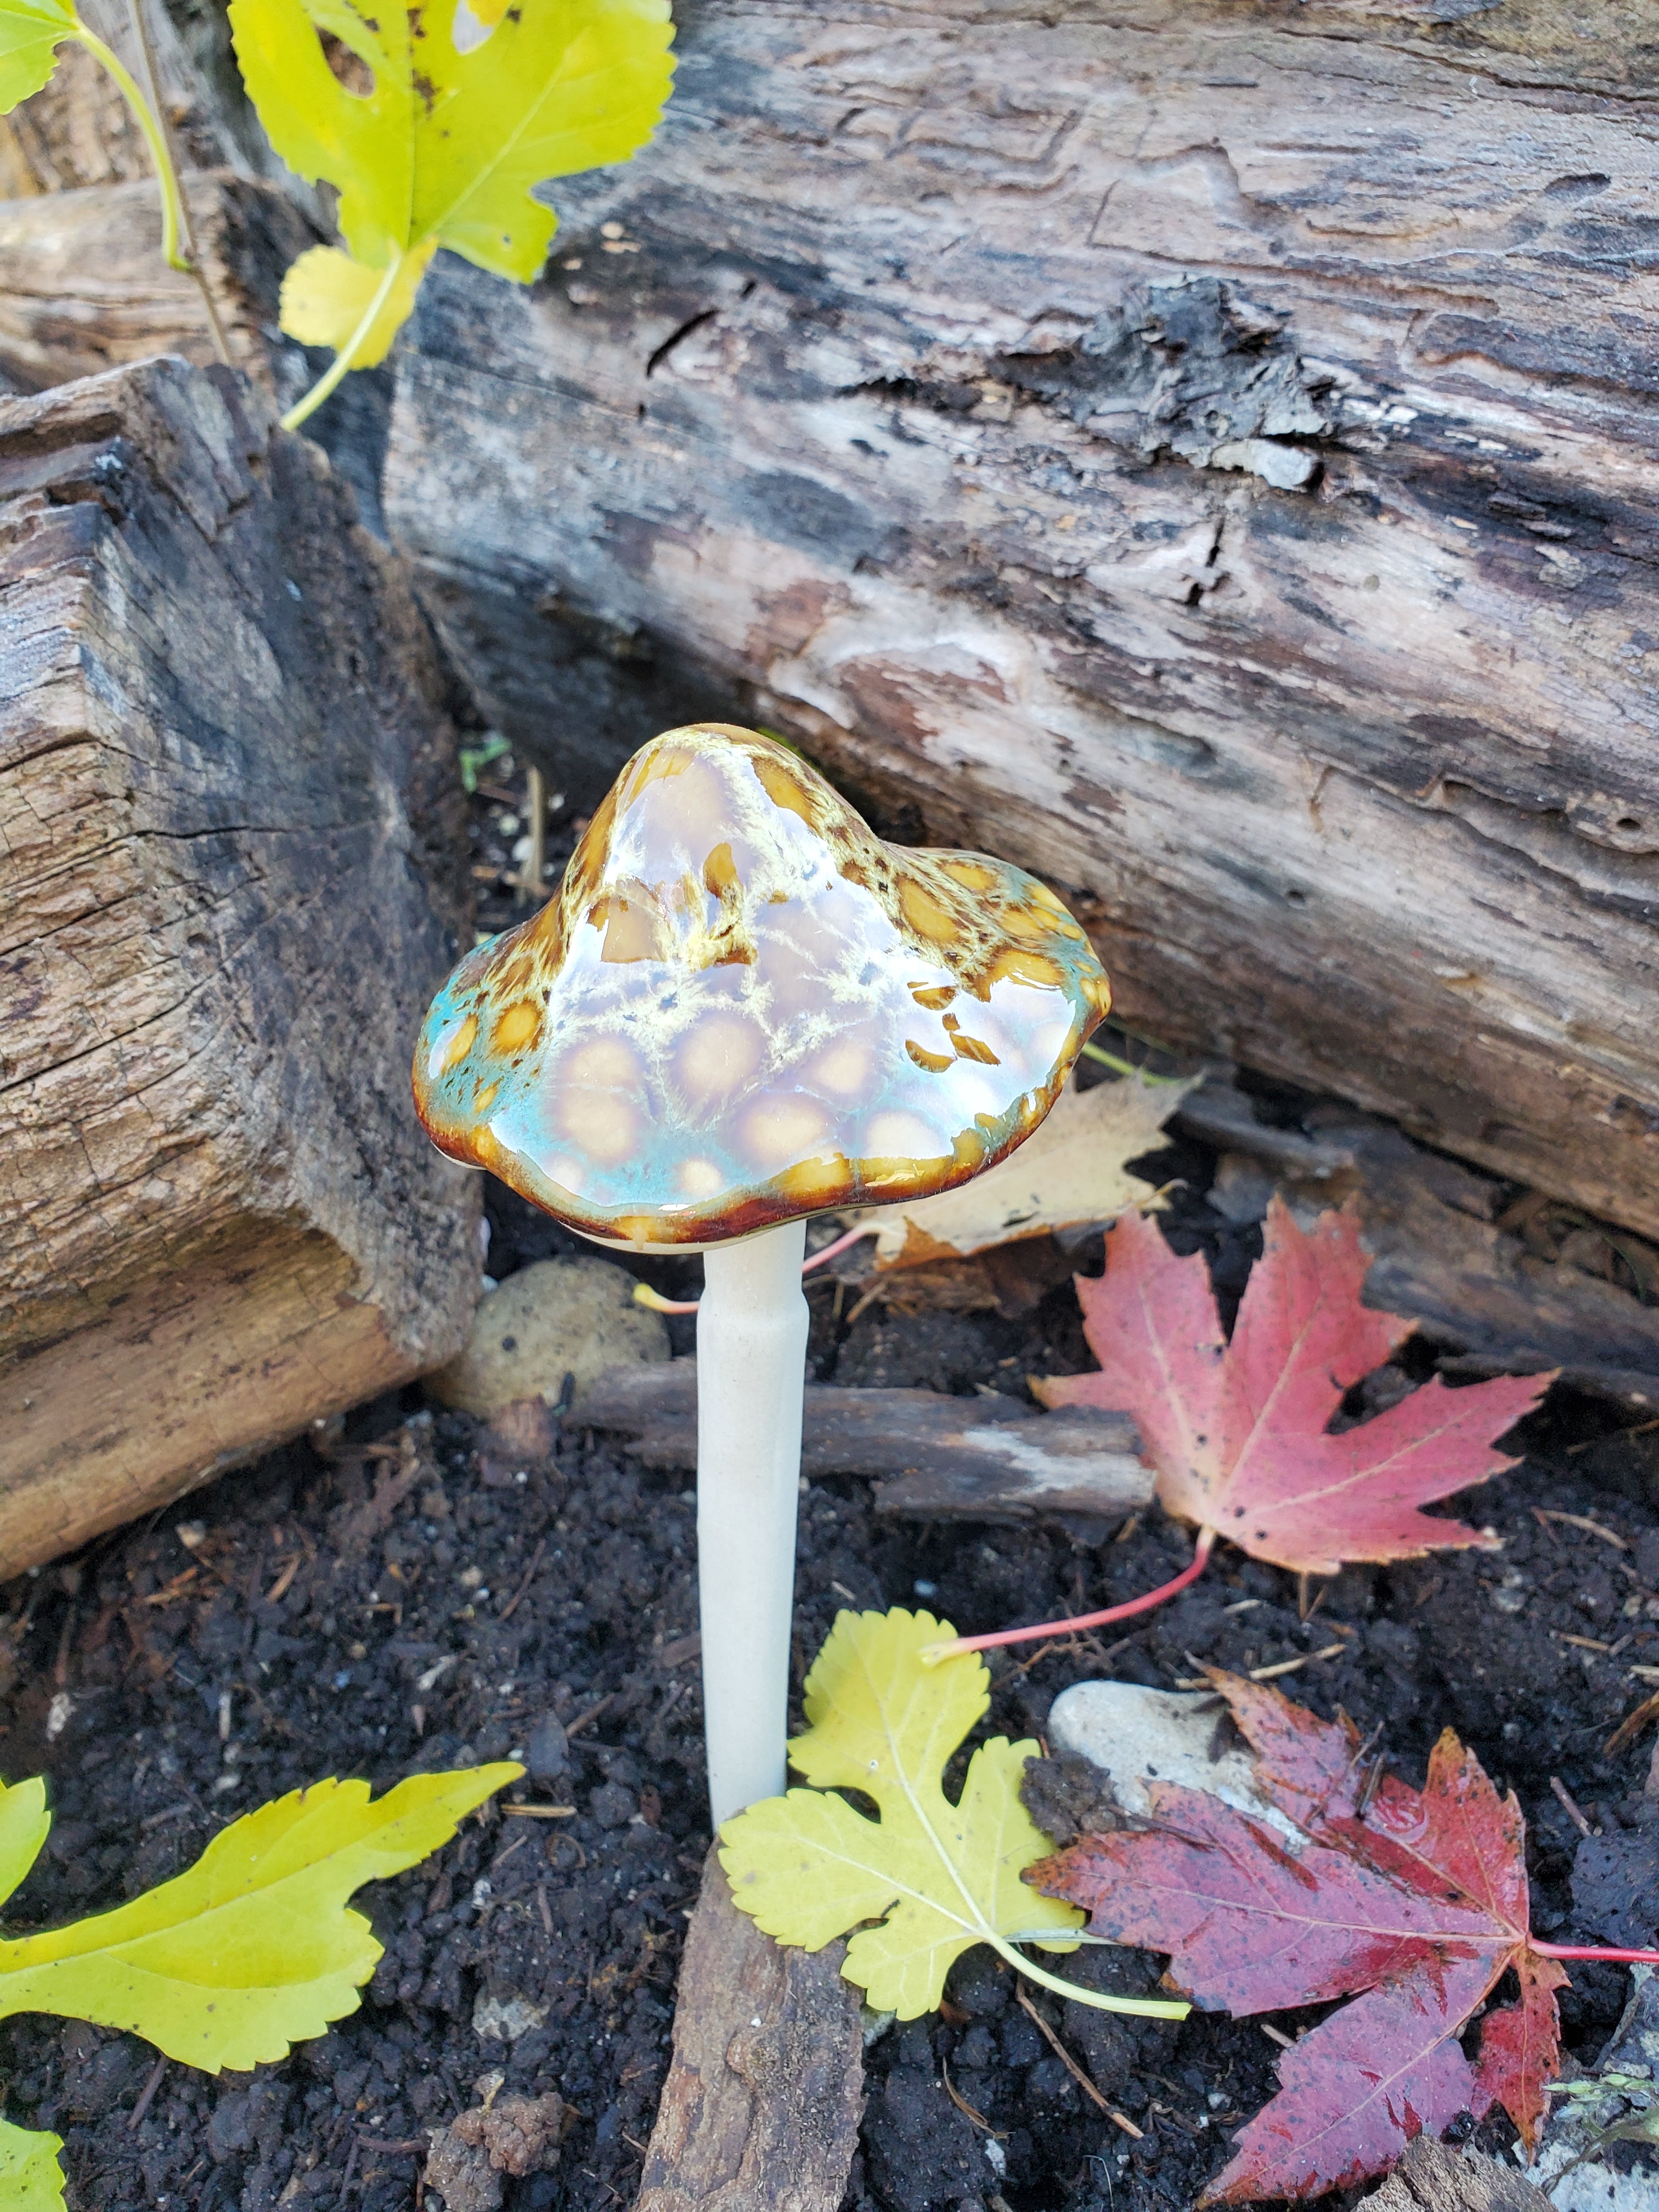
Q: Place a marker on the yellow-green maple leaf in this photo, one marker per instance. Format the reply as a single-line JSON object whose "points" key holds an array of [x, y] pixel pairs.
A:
{"points": [[445, 146], [251, 1949], [935, 1878], [31, 32], [31, 2179]]}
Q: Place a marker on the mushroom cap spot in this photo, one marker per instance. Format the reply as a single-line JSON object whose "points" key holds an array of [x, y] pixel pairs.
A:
{"points": [[719, 873], [902, 1136], [718, 1057], [737, 1009], [450, 1046], [515, 1027], [630, 927], [972, 875], [846, 1068], [778, 779], [776, 1131], [824, 1180], [1020, 966], [925, 913], [974, 1048], [599, 1123]]}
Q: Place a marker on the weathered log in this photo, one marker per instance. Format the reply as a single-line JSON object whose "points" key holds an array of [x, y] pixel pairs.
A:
{"points": [[973, 1459], [1199, 449], [759, 2112], [227, 883], [1447, 1248], [1432, 2176], [83, 288]]}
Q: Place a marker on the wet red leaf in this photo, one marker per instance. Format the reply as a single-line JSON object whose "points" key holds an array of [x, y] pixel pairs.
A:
{"points": [[1237, 1430], [1415, 1902]]}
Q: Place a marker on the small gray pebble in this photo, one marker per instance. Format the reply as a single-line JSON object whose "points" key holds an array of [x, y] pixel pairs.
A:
{"points": [[547, 1750], [611, 1806]]}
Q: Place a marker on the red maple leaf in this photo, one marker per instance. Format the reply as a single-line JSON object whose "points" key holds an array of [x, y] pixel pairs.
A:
{"points": [[1238, 1431], [1415, 1902]]}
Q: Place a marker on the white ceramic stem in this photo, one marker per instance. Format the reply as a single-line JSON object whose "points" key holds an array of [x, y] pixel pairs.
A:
{"points": [[751, 1359]]}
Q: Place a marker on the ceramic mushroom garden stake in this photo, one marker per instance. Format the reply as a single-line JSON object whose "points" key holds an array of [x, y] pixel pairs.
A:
{"points": [[742, 1008]]}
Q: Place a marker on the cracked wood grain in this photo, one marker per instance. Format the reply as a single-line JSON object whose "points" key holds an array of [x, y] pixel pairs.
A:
{"points": [[228, 883], [1202, 452], [761, 2109]]}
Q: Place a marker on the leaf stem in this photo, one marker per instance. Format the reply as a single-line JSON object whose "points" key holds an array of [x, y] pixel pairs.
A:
{"points": [[1594, 1951], [1149, 2008], [161, 154], [1126, 1066], [176, 225], [931, 1654], [654, 1300], [334, 373]]}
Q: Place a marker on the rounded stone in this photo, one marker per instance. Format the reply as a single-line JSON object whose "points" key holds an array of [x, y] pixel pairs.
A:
{"points": [[569, 1317]]}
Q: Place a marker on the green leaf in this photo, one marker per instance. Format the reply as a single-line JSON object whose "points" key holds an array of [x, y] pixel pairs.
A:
{"points": [[24, 1821], [31, 2179], [31, 32], [446, 147], [936, 1878], [251, 1949]]}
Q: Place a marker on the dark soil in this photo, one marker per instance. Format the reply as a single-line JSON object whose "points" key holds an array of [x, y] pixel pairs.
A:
{"points": [[319, 1609], [389, 1599]]}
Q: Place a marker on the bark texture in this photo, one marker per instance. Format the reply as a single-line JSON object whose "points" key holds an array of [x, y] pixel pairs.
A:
{"points": [[1202, 449], [973, 1458], [226, 887], [761, 2109]]}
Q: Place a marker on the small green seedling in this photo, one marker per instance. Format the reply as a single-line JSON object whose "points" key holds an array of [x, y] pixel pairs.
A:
{"points": [[490, 748], [249, 1951]]}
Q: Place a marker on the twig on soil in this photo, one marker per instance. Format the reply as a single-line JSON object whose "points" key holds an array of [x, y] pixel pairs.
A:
{"points": [[135, 2117], [600, 1706], [1582, 1521], [1289, 1666], [281, 1587], [1569, 1807], [512, 1605], [542, 1812], [1631, 1726], [1117, 2118], [1276, 2035], [964, 2107]]}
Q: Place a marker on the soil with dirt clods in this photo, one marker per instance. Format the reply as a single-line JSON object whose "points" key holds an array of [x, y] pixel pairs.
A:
{"points": [[398, 1597]]}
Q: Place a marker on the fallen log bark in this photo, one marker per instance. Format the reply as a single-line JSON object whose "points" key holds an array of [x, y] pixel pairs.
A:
{"points": [[761, 2109], [973, 1458], [83, 289], [227, 883], [1454, 1249], [1201, 451]]}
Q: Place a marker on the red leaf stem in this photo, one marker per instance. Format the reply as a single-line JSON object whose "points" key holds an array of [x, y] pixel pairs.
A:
{"points": [[1595, 1951], [1082, 1621]]}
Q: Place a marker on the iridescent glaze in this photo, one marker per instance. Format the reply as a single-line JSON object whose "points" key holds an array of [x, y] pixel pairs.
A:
{"points": [[742, 1006]]}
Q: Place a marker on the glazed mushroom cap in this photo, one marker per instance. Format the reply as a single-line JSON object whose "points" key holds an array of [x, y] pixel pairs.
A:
{"points": [[742, 1006]]}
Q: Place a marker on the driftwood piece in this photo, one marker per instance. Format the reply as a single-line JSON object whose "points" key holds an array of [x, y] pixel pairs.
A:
{"points": [[1446, 1250], [227, 825], [975, 1459], [1433, 2178], [759, 2112], [1199, 448]]}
